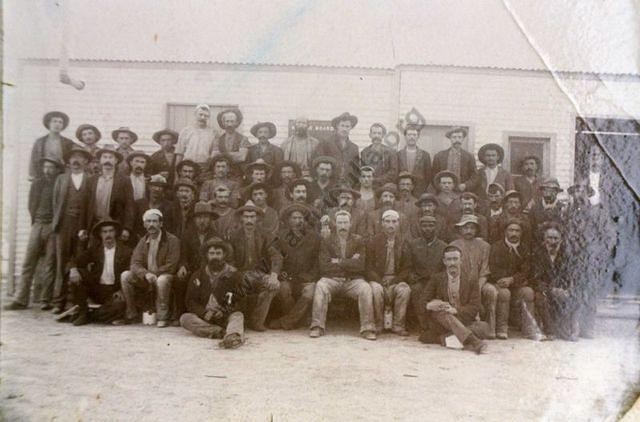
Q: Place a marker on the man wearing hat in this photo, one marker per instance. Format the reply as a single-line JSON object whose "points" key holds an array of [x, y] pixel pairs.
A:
{"points": [[231, 141], [163, 161], [284, 174], [546, 206], [414, 160], [475, 264], [383, 263], [125, 138], [197, 141], [455, 159], [386, 197], [512, 210], [406, 202], [137, 162], [95, 274], [41, 240], [71, 198], [347, 198], [466, 204], [495, 197], [491, 155], [259, 194], [157, 199], [227, 221], [153, 267], [52, 145], [257, 172], [382, 159], [367, 200], [89, 135], [445, 183], [427, 204], [339, 146], [221, 166], [299, 245], [186, 195], [264, 149], [528, 182], [214, 299], [300, 146], [258, 262], [324, 173]]}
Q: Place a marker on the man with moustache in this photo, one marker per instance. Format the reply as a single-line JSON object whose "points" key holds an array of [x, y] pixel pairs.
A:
{"points": [[325, 168], [52, 145], [466, 204], [197, 142], [271, 154], [163, 161], [153, 266], [299, 147], [445, 182], [41, 239], [125, 138], [138, 161], [221, 166], [214, 309], [227, 221], [495, 197], [528, 183], [347, 198], [186, 194], [382, 159], [386, 196], [230, 141], [546, 207], [512, 210], [455, 159], [406, 202], [414, 160], [259, 194], [339, 146], [188, 169], [491, 155], [367, 200], [427, 204], [342, 270], [300, 192], [299, 245], [156, 198], [450, 303], [89, 136], [257, 172], [284, 174], [383, 263]]}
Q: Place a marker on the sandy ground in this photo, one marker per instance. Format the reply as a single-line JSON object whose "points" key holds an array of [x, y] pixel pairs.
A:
{"points": [[54, 371]]}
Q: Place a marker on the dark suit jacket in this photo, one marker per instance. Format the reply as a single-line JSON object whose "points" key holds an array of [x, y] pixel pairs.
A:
{"points": [[544, 274], [158, 163], [38, 151], [167, 258], [376, 261], [504, 263], [272, 156], [268, 257], [421, 260], [60, 196], [421, 169], [349, 267], [529, 191], [467, 164], [191, 249], [300, 253], [346, 157], [538, 216], [35, 190], [121, 208], [438, 288], [201, 287], [90, 262], [478, 182], [384, 163]]}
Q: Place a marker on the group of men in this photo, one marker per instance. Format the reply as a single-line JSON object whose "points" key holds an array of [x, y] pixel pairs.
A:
{"points": [[213, 227]]}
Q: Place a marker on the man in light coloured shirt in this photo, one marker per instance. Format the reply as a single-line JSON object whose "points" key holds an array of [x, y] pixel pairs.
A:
{"points": [[455, 159], [196, 142], [231, 141], [125, 138], [138, 161], [299, 147], [491, 155], [53, 144], [367, 200]]}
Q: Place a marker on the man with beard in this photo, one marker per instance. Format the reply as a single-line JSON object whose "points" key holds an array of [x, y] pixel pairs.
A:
{"points": [[138, 161], [512, 210], [386, 196], [342, 268], [213, 308], [221, 166], [509, 261], [383, 272], [41, 239], [491, 155], [475, 265], [455, 159], [95, 274], [367, 200], [528, 183], [188, 169], [300, 146], [197, 142], [379, 157], [547, 207], [227, 221], [153, 266], [156, 198], [324, 172], [163, 161], [445, 182], [339, 146], [495, 198], [230, 141], [186, 194], [554, 286], [259, 194], [89, 135], [299, 246], [284, 174], [450, 303], [125, 138], [52, 145], [300, 192], [191, 243], [406, 202], [467, 204], [427, 204], [347, 197], [414, 160], [71, 197], [258, 261], [271, 154]]}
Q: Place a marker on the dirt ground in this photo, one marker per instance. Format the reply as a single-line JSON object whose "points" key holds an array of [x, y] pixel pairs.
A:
{"points": [[54, 371]]}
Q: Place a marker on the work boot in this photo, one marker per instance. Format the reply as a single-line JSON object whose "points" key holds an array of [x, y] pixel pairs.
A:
{"points": [[475, 345], [45, 306], [81, 319], [369, 335], [400, 331], [162, 324], [232, 341], [316, 332], [14, 306], [502, 336]]}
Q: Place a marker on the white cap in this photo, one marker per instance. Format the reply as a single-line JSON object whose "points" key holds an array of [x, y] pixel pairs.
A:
{"points": [[390, 213], [152, 211]]}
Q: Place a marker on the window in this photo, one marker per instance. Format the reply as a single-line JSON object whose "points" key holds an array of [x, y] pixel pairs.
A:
{"points": [[433, 139], [519, 146], [319, 129], [180, 115]]}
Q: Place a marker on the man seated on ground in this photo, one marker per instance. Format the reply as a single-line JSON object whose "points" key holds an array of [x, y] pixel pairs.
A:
{"points": [[299, 245], [214, 300], [342, 268], [153, 266], [450, 302], [95, 274], [384, 255]]}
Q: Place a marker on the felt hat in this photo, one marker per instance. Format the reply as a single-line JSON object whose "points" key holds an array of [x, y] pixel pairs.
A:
{"points": [[235, 111], [427, 197], [124, 129], [406, 175], [291, 208], [508, 194], [203, 207], [157, 180], [551, 183], [109, 149], [427, 217], [325, 159], [456, 129], [498, 186], [218, 243], [135, 154], [186, 182], [77, 149], [156, 136], [494, 147], [257, 126], [249, 206], [344, 116], [50, 115], [387, 187], [84, 127], [258, 164], [106, 222], [445, 173], [467, 218], [55, 161]]}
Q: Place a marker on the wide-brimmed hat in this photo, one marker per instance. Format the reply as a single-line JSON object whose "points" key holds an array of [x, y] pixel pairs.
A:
{"points": [[249, 206], [494, 147], [259, 163], [135, 154], [470, 195], [48, 116], [107, 222], [551, 183], [508, 194], [156, 136], [344, 116], [406, 175], [445, 173], [456, 129], [157, 180], [272, 129], [235, 111], [427, 197], [324, 159], [183, 181], [53, 160], [134, 136], [189, 163], [286, 211], [497, 185], [221, 157], [218, 243], [110, 149], [84, 127], [203, 207], [77, 149], [466, 219], [387, 187], [347, 189]]}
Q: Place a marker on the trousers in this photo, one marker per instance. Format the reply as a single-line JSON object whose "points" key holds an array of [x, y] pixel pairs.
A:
{"points": [[352, 288], [41, 244], [522, 298], [134, 288], [300, 307], [397, 296], [201, 328]]}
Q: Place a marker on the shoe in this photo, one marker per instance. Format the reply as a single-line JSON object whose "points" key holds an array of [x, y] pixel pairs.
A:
{"points": [[162, 324], [81, 319], [369, 335], [57, 310], [475, 345], [232, 341], [66, 315], [45, 306], [14, 306], [258, 327], [400, 331], [275, 325], [502, 336], [122, 321], [316, 332]]}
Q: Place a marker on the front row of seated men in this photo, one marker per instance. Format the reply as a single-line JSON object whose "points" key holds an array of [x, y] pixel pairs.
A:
{"points": [[448, 286]]}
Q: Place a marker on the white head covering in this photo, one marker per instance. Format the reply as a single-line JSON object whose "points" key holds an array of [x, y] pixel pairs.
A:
{"points": [[203, 107], [152, 211], [390, 213]]}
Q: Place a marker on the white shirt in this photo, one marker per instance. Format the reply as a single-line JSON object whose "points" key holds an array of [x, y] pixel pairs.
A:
{"points": [[594, 182], [139, 185], [77, 180], [491, 174], [108, 270]]}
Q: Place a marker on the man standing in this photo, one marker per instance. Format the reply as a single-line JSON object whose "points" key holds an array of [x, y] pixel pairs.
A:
{"points": [[213, 308], [270, 153], [125, 138], [347, 198], [546, 207], [512, 210], [257, 172], [383, 265], [339, 146], [89, 135], [41, 239], [455, 159], [138, 161], [414, 160], [230, 141], [197, 142], [367, 200], [427, 204], [342, 268], [491, 155], [495, 197], [450, 303], [300, 146], [528, 183], [221, 166], [324, 168], [163, 161], [53, 145], [188, 169], [382, 159], [153, 266]]}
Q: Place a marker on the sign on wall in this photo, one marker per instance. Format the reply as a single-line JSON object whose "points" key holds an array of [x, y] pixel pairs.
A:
{"points": [[319, 129]]}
